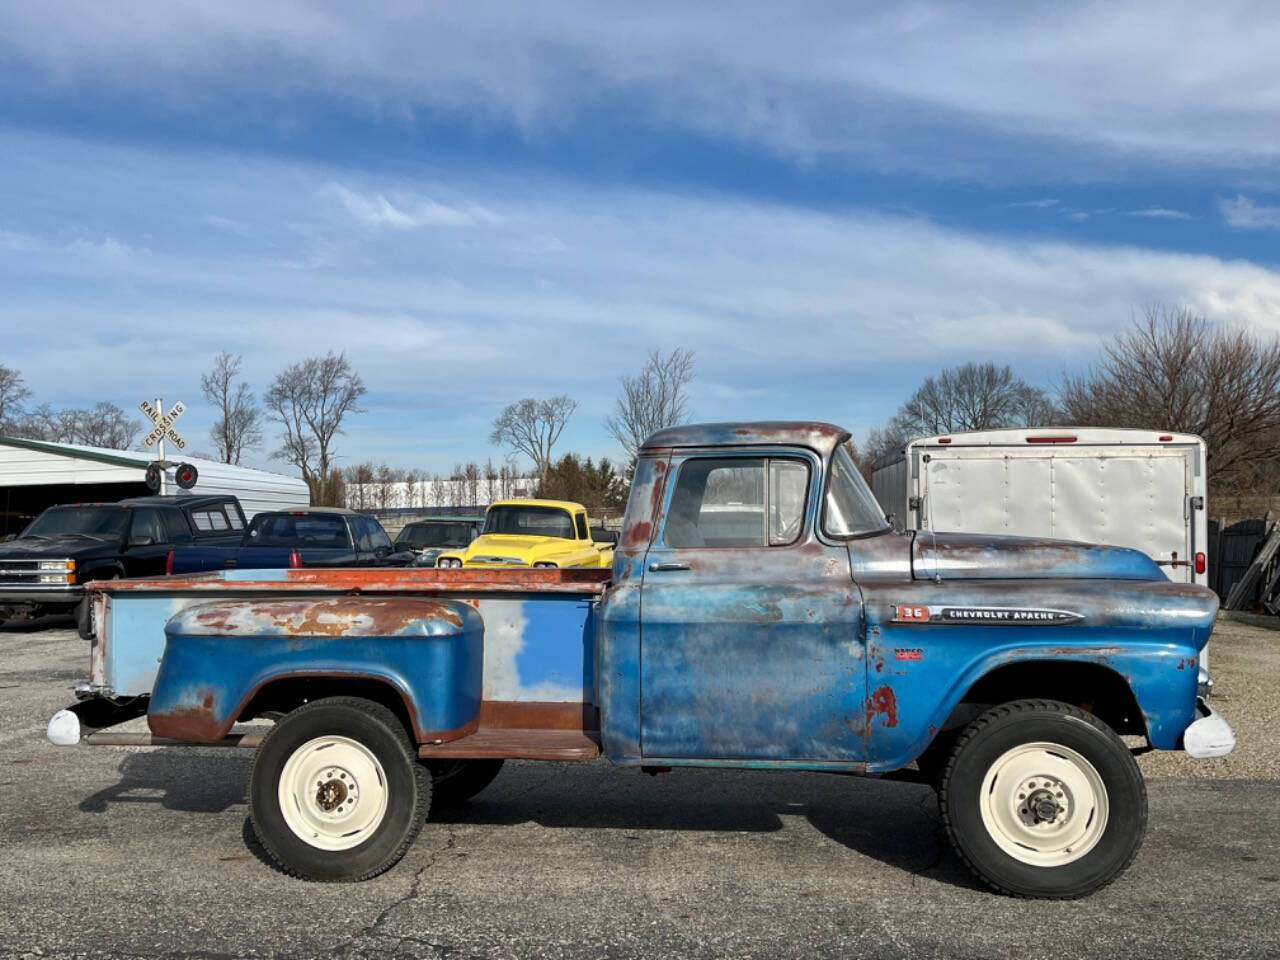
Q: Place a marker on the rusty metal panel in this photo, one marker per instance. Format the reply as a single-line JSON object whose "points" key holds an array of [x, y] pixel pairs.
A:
{"points": [[927, 643], [219, 655]]}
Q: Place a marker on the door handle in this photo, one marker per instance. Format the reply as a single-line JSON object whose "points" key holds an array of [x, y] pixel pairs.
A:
{"points": [[656, 567]]}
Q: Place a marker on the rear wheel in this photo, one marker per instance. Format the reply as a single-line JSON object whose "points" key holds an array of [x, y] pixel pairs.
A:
{"points": [[336, 792], [1041, 799], [454, 782]]}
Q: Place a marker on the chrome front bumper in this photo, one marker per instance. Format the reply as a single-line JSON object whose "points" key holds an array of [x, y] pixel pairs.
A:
{"points": [[1209, 734]]}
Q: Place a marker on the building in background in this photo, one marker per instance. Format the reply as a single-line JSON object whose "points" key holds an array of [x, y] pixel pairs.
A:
{"points": [[35, 474]]}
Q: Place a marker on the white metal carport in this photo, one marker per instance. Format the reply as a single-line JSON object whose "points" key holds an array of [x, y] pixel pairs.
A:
{"points": [[35, 474]]}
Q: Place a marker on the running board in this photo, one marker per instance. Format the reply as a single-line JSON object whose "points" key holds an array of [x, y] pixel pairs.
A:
{"points": [[506, 743]]}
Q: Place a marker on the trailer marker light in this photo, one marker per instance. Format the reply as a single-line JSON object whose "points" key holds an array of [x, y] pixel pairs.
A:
{"points": [[944, 439], [295, 560], [1062, 439], [1165, 437], [1200, 565], [168, 565]]}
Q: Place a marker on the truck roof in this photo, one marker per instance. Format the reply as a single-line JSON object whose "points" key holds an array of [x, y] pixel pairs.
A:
{"points": [[156, 501], [822, 437], [567, 505]]}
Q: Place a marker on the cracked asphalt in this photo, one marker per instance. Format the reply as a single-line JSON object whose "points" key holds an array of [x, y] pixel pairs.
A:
{"points": [[114, 852]]}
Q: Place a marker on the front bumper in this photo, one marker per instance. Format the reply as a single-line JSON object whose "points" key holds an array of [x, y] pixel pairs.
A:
{"points": [[1209, 735], [69, 593]]}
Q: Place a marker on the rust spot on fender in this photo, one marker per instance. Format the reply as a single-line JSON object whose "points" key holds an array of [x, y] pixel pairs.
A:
{"points": [[883, 702]]}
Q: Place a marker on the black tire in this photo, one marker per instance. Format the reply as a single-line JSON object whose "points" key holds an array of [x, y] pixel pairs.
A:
{"points": [[407, 789], [454, 782], [965, 788], [84, 618]]}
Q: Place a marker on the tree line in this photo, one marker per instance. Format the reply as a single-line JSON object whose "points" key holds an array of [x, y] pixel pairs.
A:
{"points": [[1170, 370]]}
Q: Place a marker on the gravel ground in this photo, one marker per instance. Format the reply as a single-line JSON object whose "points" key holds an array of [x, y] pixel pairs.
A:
{"points": [[113, 852]]}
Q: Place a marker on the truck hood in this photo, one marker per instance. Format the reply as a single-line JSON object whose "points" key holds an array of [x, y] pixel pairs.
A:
{"points": [[974, 556], [69, 547], [525, 549]]}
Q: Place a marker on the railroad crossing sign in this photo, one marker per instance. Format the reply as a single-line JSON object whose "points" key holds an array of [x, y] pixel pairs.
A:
{"points": [[163, 424]]}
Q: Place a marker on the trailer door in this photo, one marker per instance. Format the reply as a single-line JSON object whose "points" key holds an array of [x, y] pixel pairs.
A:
{"points": [[1112, 495]]}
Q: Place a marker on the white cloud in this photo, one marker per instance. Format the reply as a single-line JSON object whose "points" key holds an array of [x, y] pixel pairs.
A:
{"points": [[1244, 214], [799, 80], [1075, 216], [1161, 213], [408, 213], [1035, 204]]}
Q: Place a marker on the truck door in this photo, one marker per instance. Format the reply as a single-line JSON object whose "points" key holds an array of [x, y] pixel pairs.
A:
{"points": [[749, 623]]}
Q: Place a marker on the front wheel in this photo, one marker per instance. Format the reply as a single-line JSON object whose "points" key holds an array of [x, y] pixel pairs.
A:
{"points": [[1041, 799], [336, 792]]}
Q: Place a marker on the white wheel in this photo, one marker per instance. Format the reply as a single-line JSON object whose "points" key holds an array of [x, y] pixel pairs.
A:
{"points": [[333, 793], [1044, 804]]}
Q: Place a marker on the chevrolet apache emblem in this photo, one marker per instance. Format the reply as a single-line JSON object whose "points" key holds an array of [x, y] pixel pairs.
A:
{"points": [[994, 616]]}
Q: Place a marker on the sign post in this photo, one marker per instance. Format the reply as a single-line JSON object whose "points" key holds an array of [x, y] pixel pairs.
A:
{"points": [[163, 428]]}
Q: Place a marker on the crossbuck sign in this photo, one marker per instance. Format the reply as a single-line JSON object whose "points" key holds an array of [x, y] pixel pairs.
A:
{"points": [[163, 429]]}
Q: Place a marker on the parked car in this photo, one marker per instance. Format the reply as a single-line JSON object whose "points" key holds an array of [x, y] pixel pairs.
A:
{"points": [[44, 569], [310, 537], [543, 534], [760, 614], [427, 539]]}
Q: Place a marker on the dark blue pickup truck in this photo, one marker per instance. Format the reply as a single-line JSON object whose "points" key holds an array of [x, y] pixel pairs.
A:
{"points": [[760, 614], [314, 537]]}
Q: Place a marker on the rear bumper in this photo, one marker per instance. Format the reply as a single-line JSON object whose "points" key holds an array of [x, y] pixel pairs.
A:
{"points": [[1209, 735]]}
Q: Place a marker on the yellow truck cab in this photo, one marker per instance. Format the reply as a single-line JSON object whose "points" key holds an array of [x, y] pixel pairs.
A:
{"points": [[544, 534]]}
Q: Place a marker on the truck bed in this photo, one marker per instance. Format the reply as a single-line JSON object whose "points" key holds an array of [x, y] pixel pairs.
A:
{"points": [[538, 639]]}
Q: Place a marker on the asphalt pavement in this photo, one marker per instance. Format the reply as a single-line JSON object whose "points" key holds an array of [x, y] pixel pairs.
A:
{"points": [[120, 852]]}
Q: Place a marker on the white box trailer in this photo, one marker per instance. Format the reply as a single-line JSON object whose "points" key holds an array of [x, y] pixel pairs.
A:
{"points": [[1130, 488]]}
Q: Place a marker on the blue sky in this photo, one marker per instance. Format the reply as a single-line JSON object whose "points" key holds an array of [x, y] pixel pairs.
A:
{"points": [[479, 202]]}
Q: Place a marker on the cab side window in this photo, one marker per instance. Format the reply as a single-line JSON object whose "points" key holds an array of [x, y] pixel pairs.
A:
{"points": [[580, 523], [737, 502]]}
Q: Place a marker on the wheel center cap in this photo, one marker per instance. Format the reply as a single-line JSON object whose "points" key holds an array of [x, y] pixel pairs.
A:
{"points": [[1044, 805], [331, 794]]}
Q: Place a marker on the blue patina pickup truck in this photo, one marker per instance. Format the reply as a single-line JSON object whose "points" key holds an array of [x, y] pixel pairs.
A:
{"points": [[760, 613]]}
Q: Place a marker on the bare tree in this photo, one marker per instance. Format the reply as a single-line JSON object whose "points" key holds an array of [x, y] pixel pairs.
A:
{"points": [[655, 398], [106, 425], [1173, 370], [13, 394], [490, 481], [532, 427], [471, 475], [410, 488], [310, 400], [975, 396], [239, 423], [387, 479], [102, 425]]}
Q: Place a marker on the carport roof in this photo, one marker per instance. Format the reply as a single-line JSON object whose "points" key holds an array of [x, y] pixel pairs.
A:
{"points": [[118, 458]]}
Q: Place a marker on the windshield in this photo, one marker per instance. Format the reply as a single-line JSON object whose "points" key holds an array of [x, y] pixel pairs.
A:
{"points": [[297, 530], [106, 523], [436, 535], [850, 509], [530, 522]]}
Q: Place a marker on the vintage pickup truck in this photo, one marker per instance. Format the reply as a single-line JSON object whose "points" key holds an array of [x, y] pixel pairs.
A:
{"points": [[760, 613], [545, 534]]}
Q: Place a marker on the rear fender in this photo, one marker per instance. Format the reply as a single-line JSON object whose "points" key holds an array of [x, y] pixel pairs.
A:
{"points": [[219, 656]]}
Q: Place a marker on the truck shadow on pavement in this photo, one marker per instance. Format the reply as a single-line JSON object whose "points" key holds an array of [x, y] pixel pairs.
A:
{"points": [[894, 823], [178, 780]]}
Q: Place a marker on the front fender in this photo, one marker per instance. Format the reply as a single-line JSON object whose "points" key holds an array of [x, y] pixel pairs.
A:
{"points": [[218, 655], [919, 670]]}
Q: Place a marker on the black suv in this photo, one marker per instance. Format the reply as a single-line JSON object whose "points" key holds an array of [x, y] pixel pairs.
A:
{"points": [[43, 569]]}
